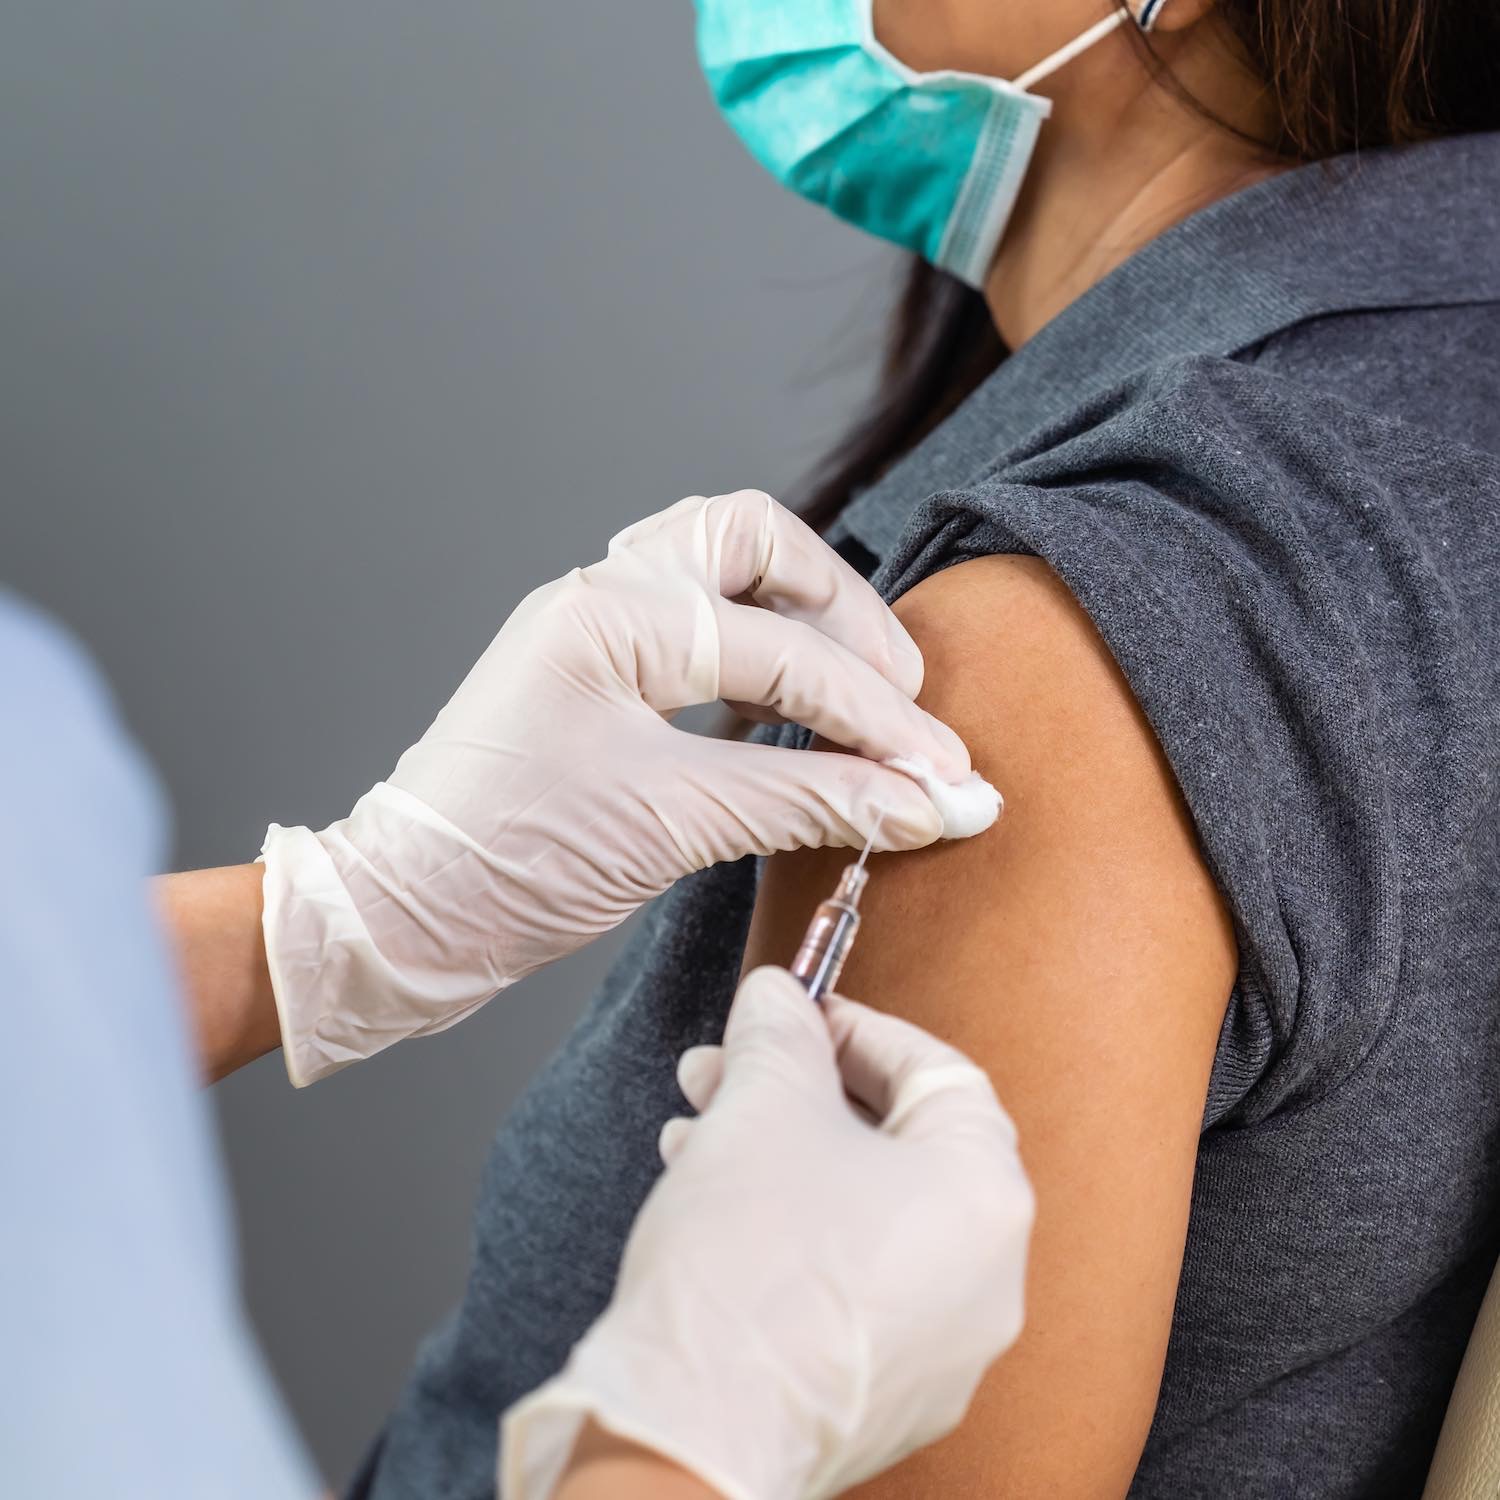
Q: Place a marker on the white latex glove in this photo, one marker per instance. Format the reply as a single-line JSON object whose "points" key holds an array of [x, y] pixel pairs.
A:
{"points": [[552, 796], [806, 1296]]}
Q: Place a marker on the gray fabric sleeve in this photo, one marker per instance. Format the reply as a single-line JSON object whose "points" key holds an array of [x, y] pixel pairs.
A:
{"points": [[1228, 550]]}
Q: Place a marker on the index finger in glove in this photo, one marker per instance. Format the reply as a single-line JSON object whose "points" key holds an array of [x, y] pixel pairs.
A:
{"points": [[814, 681], [915, 1085], [747, 545]]}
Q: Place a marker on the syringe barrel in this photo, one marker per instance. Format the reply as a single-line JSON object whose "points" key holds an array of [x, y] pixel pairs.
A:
{"points": [[830, 935]]}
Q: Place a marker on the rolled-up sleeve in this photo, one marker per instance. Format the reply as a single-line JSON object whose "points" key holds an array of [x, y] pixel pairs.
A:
{"points": [[1248, 553]]}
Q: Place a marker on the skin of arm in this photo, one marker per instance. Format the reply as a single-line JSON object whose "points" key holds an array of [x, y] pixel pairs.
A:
{"points": [[604, 1467], [212, 920], [1080, 952]]}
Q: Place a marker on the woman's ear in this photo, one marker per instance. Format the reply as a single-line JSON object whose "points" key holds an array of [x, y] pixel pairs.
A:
{"points": [[1170, 15]]}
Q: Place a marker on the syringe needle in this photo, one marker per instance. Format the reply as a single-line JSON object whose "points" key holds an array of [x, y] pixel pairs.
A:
{"points": [[870, 842]]}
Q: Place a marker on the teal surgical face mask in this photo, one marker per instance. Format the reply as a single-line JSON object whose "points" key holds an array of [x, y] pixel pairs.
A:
{"points": [[930, 161]]}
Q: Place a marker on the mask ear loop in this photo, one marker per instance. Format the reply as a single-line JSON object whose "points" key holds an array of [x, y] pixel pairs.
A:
{"points": [[1079, 45], [1149, 12]]}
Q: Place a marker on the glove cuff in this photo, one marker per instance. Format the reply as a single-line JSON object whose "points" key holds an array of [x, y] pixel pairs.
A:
{"points": [[314, 942], [340, 997], [695, 1394], [539, 1433]]}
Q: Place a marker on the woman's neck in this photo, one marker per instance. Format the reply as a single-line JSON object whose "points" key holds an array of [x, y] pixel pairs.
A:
{"points": [[1109, 176]]}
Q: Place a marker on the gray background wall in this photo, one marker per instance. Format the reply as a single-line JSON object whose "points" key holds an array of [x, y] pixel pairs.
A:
{"points": [[327, 329]]}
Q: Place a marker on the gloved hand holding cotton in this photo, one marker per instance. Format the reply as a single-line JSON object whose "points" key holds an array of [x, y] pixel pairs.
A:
{"points": [[967, 807], [552, 796]]}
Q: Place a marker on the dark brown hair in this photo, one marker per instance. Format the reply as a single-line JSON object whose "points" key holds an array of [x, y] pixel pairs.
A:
{"points": [[1341, 74]]}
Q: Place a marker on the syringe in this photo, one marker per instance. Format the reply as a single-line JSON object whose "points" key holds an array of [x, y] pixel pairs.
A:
{"points": [[830, 935]]}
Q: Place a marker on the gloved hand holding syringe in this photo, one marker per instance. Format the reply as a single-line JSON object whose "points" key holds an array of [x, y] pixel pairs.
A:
{"points": [[754, 1337]]}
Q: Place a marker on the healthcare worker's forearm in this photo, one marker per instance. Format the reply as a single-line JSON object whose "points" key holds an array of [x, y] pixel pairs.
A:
{"points": [[604, 1467], [213, 919]]}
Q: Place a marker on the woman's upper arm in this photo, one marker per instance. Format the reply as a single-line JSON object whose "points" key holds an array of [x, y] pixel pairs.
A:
{"points": [[1081, 953]]}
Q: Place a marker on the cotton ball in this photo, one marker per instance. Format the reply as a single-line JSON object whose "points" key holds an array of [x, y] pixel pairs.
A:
{"points": [[966, 807]]}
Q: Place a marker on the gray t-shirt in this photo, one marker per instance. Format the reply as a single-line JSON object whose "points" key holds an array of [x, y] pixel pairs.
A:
{"points": [[1265, 456]]}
